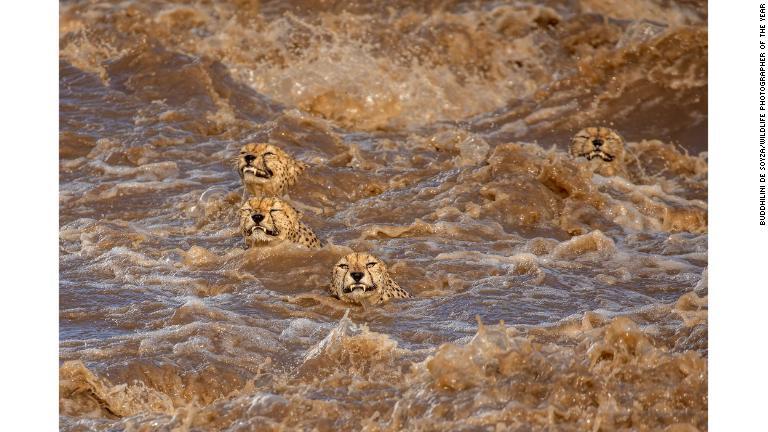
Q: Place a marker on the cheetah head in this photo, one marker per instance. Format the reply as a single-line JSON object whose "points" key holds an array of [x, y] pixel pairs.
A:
{"points": [[360, 276], [266, 169], [264, 220], [599, 144]]}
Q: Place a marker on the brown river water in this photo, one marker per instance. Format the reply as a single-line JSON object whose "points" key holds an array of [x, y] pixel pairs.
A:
{"points": [[545, 296]]}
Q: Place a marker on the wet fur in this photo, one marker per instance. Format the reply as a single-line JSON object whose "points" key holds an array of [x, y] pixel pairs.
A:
{"points": [[601, 146], [379, 286], [280, 222], [275, 169]]}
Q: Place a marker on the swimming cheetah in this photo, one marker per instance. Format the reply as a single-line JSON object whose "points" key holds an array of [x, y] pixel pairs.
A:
{"points": [[266, 170], [360, 277], [603, 147], [264, 220]]}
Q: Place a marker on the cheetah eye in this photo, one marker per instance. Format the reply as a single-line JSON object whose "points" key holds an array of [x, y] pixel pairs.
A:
{"points": [[268, 154], [275, 210], [343, 266], [371, 264]]}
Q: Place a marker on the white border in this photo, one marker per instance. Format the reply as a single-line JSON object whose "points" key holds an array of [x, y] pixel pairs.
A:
{"points": [[29, 318], [29, 86], [738, 246]]}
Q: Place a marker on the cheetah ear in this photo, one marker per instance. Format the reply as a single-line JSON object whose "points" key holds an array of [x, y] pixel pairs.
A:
{"points": [[299, 167], [298, 212]]}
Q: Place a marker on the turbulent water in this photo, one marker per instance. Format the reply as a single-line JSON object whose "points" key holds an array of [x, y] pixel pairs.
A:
{"points": [[544, 295]]}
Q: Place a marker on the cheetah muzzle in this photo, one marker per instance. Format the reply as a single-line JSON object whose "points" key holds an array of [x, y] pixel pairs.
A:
{"points": [[265, 220], [361, 277], [599, 143], [267, 170]]}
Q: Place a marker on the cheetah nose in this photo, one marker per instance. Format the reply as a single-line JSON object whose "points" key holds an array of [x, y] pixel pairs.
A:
{"points": [[258, 217], [356, 276], [597, 142], [249, 158]]}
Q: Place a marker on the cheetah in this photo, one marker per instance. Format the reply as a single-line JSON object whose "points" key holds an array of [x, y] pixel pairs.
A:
{"points": [[265, 220], [603, 147], [266, 170], [360, 277]]}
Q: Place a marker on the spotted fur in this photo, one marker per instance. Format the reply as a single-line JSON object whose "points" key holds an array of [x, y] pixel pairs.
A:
{"points": [[360, 277], [603, 147], [266, 170], [264, 220]]}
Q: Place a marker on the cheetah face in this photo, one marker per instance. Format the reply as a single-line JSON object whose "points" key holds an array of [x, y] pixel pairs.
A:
{"points": [[264, 220], [265, 168], [598, 143], [359, 276]]}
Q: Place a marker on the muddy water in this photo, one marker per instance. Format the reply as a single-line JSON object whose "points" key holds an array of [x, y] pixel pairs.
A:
{"points": [[544, 295]]}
